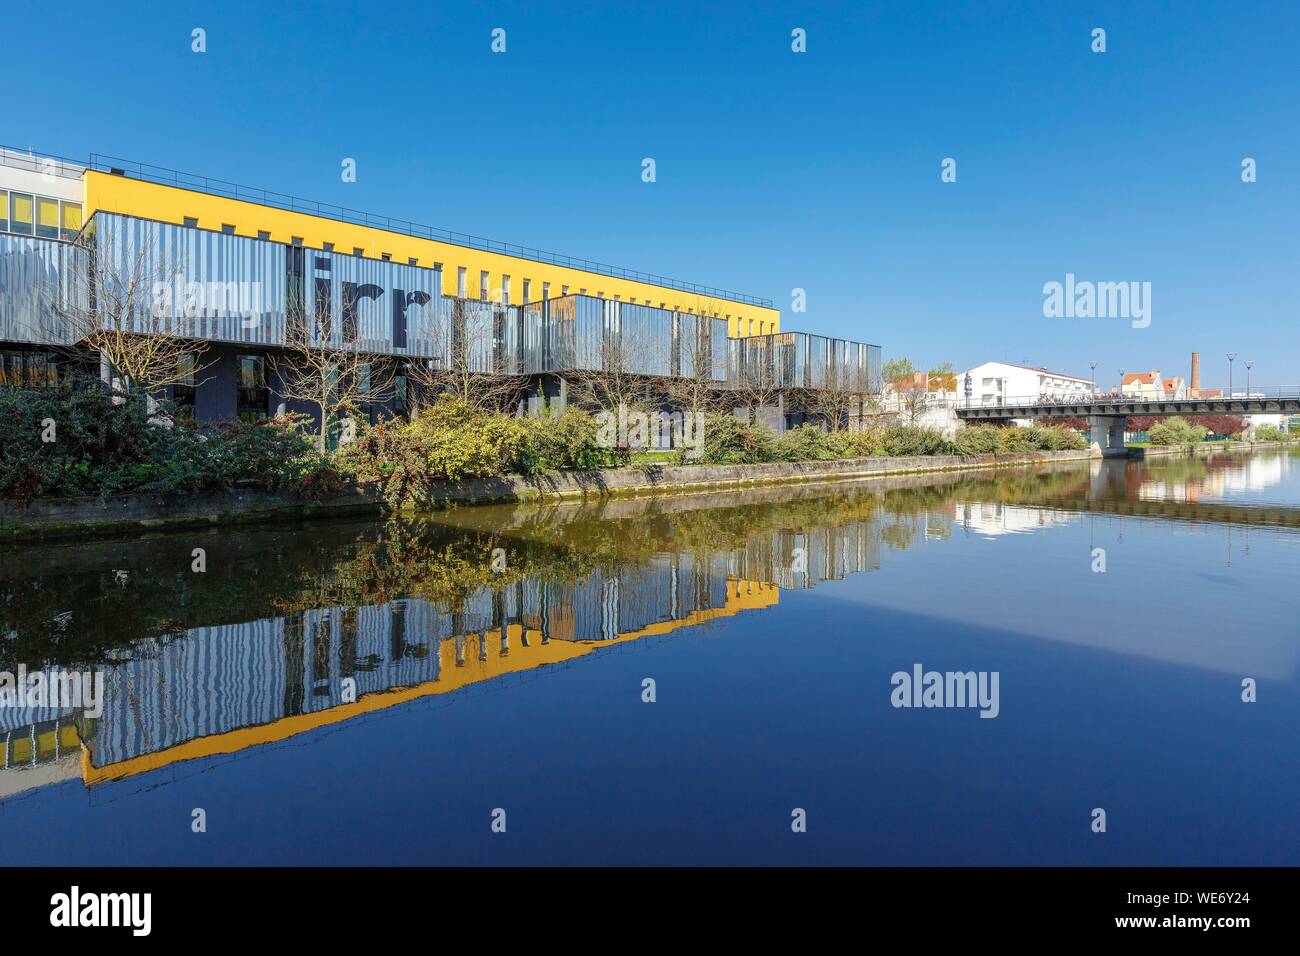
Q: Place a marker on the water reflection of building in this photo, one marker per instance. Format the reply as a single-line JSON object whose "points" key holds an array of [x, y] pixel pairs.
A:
{"points": [[995, 518], [1221, 478], [221, 689]]}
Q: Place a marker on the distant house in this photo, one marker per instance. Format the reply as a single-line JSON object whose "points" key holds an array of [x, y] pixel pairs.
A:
{"points": [[995, 382], [1173, 389], [1143, 386]]}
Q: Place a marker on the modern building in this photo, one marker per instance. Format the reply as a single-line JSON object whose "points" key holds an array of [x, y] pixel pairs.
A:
{"points": [[246, 273]]}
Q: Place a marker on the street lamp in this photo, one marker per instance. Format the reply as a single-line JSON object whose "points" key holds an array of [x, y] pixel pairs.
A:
{"points": [[1249, 366], [1092, 380], [1121, 383], [1232, 356]]}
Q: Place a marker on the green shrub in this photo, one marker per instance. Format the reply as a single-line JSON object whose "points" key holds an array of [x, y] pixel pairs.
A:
{"points": [[104, 447], [807, 443], [1176, 431], [730, 441], [463, 442], [904, 440], [1271, 433], [976, 440], [1057, 438], [1004, 440], [862, 444], [392, 456], [565, 440]]}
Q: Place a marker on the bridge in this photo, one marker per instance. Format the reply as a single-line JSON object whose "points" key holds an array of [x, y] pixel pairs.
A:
{"points": [[1108, 414]]}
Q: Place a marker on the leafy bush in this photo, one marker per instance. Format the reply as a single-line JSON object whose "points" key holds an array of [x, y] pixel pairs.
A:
{"points": [[1176, 431], [1057, 438], [730, 441], [463, 442], [862, 444], [1271, 433], [807, 443], [99, 446], [1000, 440], [901, 440], [976, 440], [565, 440]]}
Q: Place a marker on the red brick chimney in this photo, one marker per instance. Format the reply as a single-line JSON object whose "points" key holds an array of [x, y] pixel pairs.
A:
{"points": [[1196, 373]]}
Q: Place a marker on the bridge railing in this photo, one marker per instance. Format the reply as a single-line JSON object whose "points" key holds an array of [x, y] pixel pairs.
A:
{"points": [[1208, 395]]}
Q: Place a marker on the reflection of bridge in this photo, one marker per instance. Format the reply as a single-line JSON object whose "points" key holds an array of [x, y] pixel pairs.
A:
{"points": [[1107, 415]]}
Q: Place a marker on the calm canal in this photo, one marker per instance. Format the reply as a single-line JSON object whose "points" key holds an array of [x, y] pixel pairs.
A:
{"points": [[353, 693]]}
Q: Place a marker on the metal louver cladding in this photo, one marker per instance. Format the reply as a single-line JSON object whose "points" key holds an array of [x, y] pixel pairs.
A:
{"points": [[40, 279], [190, 282], [389, 308], [230, 288]]}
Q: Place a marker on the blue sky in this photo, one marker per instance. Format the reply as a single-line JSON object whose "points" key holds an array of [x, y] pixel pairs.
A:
{"points": [[775, 170]]}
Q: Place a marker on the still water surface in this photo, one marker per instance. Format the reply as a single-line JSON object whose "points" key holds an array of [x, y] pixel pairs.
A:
{"points": [[771, 623]]}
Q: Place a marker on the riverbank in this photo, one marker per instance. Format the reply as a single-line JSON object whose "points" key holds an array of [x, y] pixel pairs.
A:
{"points": [[55, 518], [1205, 448]]}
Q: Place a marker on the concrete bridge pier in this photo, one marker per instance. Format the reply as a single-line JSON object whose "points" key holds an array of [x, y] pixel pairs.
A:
{"points": [[1108, 434]]}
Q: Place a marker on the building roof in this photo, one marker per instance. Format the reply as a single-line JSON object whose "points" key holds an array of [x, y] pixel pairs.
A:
{"points": [[1031, 368], [1146, 378]]}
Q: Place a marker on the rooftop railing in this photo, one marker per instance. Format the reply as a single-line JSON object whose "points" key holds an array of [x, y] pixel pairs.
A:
{"points": [[166, 176]]}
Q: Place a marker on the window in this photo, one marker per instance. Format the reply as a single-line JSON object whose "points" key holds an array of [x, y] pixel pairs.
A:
{"points": [[20, 213], [528, 288], [29, 369], [251, 394], [191, 222], [386, 256], [358, 251], [296, 240], [47, 218], [461, 291], [483, 286], [505, 290], [400, 389], [263, 234], [327, 247], [546, 290], [227, 229], [4, 210], [183, 391], [564, 290], [412, 261], [71, 221]]}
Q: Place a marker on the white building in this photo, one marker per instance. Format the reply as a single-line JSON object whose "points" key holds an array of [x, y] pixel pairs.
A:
{"points": [[995, 383]]}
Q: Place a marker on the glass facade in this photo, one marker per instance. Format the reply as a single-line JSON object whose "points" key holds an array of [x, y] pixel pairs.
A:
{"points": [[222, 287], [801, 360], [40, 279]]}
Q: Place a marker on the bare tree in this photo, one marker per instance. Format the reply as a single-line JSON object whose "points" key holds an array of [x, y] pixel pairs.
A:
{"points": [[467, 361], [336, 380], [616, 376], [694, 389], [122, 304], [758, 382], [833, 405]]}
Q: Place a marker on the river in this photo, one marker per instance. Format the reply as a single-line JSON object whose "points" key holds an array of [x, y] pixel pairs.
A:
{"points": [[739, 677]]}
